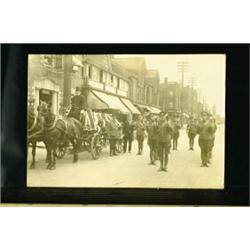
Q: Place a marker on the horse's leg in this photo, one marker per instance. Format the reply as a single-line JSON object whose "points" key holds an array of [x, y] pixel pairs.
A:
{"points": [[53, 165], [33, 163], [75, 150], [47, 153]]}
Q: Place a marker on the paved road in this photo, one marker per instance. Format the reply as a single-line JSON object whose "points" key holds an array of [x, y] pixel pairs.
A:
{"points": [[131, 170]]}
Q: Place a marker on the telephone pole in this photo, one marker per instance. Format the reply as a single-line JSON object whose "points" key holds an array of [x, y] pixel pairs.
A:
{"points": [[192, 83], [182, 67]]}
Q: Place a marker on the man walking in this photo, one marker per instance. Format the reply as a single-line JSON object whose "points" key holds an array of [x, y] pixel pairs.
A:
{"points": [[176, 132], [152, 130], [205, 130], [128, 129], [164, 142], [114, 133], [212, 121], [140, 134], [191, 131]]}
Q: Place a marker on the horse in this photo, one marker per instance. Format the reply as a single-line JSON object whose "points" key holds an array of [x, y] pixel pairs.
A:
{"points": [[35, 130], [58, 130]]}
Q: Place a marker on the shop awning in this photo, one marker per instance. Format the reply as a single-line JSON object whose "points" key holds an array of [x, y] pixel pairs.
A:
{"points": [[99, 100], [149, 108], [130, 106], [156, 110]]}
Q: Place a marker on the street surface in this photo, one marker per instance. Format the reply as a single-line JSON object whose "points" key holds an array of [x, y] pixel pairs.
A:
{"points": [[131, 170]]}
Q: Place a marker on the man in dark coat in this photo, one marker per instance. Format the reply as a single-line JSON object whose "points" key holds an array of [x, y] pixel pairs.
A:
{"points": [[77, 104], [128, 129], [205, 131], [212, 121], [152, 130], [140, 134], [165, 132], [192, 131], [113, 130], [176, 132]]}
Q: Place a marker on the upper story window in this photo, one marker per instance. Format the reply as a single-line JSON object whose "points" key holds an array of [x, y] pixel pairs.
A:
{"points": [[123, 85], [95, 74], [59, 61]]}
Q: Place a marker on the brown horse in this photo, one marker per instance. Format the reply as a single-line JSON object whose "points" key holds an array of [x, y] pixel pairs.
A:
{"points": [[58, 130], [35, 130]]}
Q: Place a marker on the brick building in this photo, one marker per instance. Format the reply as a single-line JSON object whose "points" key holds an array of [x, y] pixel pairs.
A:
{"points": [[170, 94], [105, 84]]}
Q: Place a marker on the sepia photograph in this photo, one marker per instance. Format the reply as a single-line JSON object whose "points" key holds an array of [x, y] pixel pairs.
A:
{"points": [[126, 121]]}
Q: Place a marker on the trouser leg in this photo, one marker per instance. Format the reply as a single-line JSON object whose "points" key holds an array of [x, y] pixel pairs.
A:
{"points": [[161, 155], [111, 146], [114, 146], [142, 145], [125, 141], [129, 145], [203, 157]]}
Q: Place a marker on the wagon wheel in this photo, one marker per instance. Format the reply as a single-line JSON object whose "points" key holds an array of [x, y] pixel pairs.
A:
{"points": [[95, 147], [61, 151]]}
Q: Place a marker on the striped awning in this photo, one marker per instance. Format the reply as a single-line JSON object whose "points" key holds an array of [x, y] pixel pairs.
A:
{"points": [[130, 106], [107, 102]]}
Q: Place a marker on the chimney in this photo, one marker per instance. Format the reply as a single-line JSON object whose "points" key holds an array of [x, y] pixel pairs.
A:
{"points": [[165, 80]]}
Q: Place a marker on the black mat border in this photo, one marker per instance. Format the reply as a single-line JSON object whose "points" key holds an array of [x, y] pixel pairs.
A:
{"points": [[13, 107]]}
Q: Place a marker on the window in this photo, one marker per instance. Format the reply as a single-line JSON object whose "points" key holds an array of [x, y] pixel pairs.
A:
{"points": [[170, 104], [90, 72], [171, 93], [49, 60], [59, 62]]}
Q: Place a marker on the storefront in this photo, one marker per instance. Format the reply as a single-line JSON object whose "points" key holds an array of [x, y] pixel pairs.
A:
{"points": [[46, 91]]}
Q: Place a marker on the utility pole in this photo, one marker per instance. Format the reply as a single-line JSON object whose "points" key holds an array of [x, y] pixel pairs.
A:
{"points": [[68, 64], [192, 83], [182, 67]]}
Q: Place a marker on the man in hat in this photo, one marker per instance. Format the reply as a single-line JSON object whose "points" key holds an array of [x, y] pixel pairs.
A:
{"points": [[77, 104], [165, 132], [176, 131], [191, 131], [140, 134], [205, 131], [114, 133], [212, 121], [152, 130], [128, 129]]}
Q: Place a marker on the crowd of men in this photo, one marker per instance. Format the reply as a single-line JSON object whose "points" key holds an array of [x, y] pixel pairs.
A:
{"points": [[162, 132]]}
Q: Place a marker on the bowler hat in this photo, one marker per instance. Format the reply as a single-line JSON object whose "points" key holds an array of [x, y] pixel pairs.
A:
{"points": [[78, 88]]}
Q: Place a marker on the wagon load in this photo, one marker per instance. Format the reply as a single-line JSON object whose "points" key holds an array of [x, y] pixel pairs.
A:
{"points": [[90, 120]]}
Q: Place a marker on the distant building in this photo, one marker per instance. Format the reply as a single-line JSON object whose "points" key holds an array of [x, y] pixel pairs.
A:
{"points": [[170, 96], [190, 100]]}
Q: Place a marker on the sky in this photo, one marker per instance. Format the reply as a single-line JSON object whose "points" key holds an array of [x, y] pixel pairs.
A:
{"points": [[208, 71]]}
